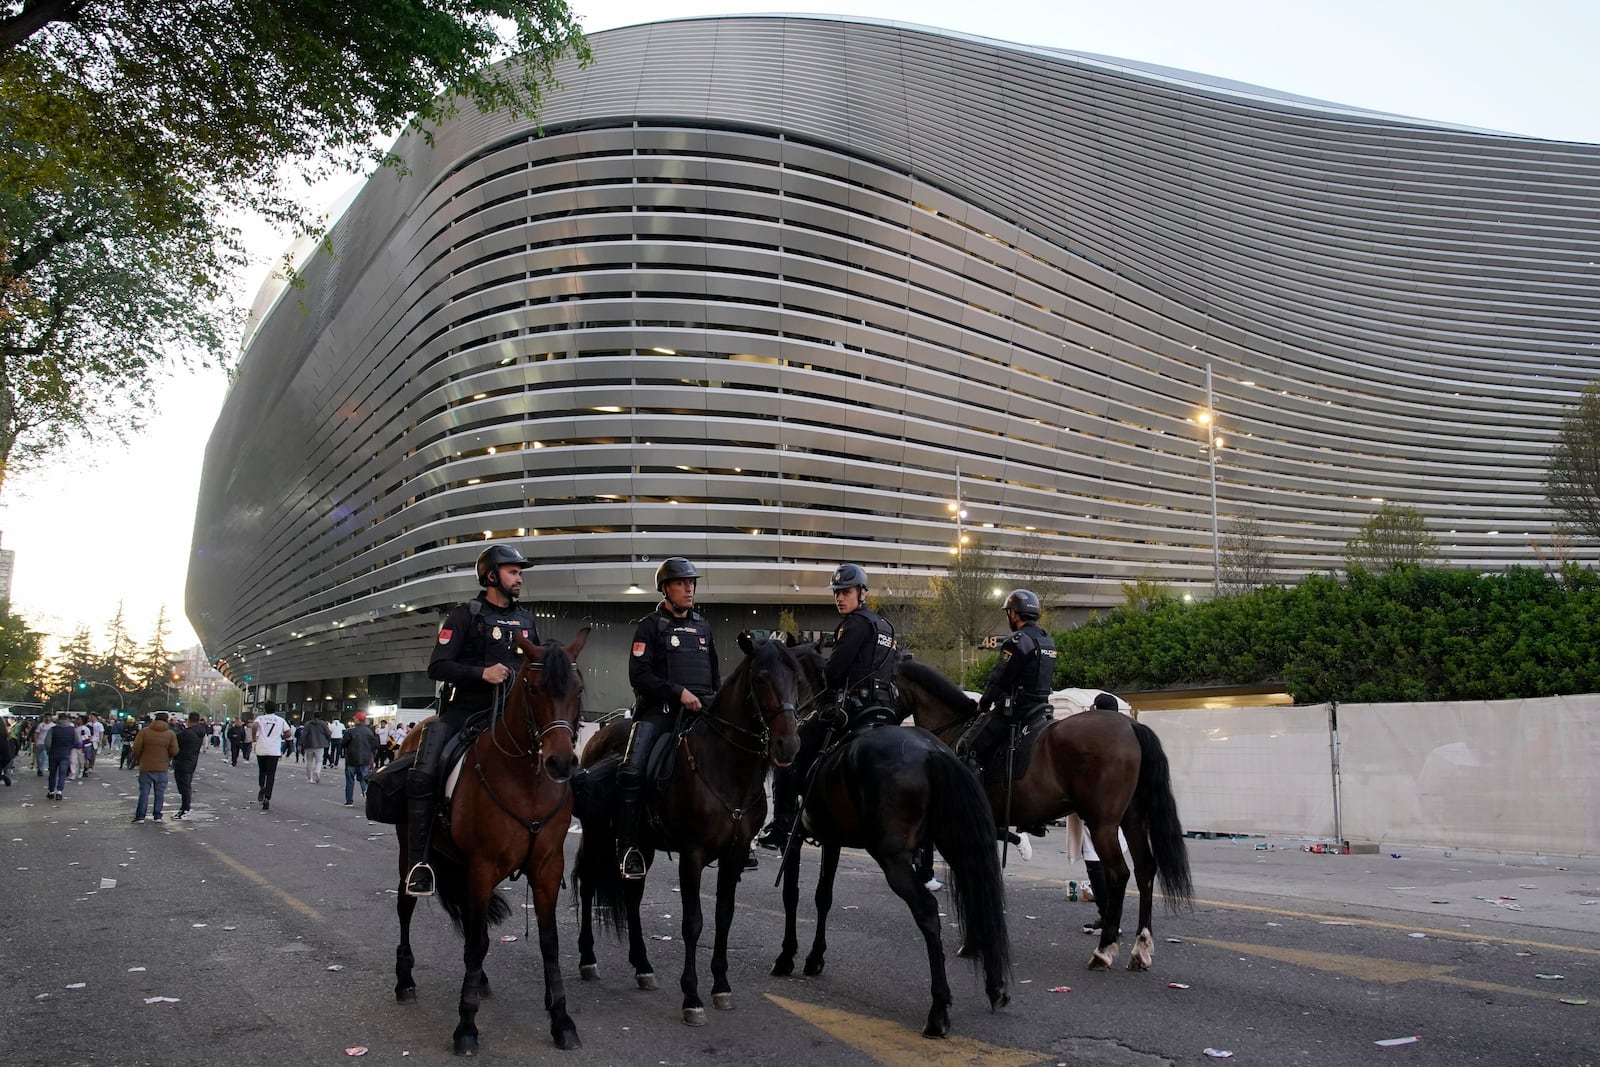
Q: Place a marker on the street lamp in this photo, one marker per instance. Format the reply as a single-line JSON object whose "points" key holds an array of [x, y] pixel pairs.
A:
{"points": [[1207, 421]]}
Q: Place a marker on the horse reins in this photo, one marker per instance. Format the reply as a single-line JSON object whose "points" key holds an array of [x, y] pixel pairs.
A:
{"points": [[721, 728]]}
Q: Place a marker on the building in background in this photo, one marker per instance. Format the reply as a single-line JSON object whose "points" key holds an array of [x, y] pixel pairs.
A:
{"points": [[8, 564], [779, 292]]}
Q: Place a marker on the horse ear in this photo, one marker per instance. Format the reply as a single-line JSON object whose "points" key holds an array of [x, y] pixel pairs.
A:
{"points": [[747, 642], [533, 651], [578, 642], [789, 639]]}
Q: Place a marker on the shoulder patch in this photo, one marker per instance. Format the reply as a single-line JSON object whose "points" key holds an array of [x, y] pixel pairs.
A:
{"points": [[638, 648], [445, 635]]}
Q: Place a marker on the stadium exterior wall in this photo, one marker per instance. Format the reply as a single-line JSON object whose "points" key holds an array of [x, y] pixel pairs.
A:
{"points": [[756, 288]]}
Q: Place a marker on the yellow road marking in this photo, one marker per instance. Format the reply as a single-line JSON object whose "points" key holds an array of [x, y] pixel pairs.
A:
{"points": [[282, 894], [1371, 969], [896, 1046], [1380, 924]]}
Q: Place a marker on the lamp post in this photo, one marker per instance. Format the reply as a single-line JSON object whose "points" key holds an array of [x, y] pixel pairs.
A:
{"points": [[1207, 420], [958, 512]]}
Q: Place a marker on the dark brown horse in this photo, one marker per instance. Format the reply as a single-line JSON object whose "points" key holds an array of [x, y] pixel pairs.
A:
{"points": [[1101, 765], [509, 814], [895, 792], [708, 809]]}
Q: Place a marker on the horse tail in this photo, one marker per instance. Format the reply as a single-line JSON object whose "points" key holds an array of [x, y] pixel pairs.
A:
{"points": [[1161, 817], [450, 885], [595, 871], [964, 831]]}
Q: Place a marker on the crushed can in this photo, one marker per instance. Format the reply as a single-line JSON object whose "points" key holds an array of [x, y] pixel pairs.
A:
{"points": [[1072, 890]]}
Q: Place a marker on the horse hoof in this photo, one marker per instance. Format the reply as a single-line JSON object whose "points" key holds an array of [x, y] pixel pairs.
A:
{"points": [[1138, 963], [408, 995], [967, 952], [722, 1001], [1099, 962], [813, 967], [567, 1040], [938, 1024], [466, 1045], [783, 968], [694, 1016], [999, 1000], [589, 972], [646, 981]]}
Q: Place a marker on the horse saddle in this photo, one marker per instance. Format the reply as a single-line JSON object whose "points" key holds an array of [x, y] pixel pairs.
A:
{"points": [[1026, 740]]}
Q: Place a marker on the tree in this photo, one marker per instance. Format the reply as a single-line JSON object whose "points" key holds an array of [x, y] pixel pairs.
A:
{"points": [[151, 670], [1031, 570], [20, 646], [960, 608], [1395, 535], [130, 129], [1245, 560], [1572, 481]]}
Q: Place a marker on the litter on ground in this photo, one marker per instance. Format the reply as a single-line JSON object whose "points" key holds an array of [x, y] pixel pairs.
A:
{"points": [[1393, 1041]]}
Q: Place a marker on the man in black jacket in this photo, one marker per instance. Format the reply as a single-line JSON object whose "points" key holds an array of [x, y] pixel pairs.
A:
{"points": [[63, 741], [191, 739]]}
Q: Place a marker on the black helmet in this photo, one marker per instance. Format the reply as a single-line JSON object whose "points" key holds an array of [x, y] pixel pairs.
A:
{"points": [[1024, 603], [491, 559], [672, 568], [848, 576], [1105, 702]]}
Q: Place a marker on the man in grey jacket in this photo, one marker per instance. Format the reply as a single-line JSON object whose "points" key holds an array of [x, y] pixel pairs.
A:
{"points": [[360, 751], [314, 740]]}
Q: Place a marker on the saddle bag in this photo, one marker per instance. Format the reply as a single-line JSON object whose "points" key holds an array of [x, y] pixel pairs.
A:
{"points": [[386, 790]]}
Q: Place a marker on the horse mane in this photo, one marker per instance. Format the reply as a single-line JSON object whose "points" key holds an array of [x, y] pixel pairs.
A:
{"points": [[937, 686], [558, 672]]}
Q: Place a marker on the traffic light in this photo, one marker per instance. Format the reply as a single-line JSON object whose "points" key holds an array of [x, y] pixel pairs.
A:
{"points": [[82, 685], [247, 677]]}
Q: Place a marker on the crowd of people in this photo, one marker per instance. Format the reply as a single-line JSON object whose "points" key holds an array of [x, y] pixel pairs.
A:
{"points": [[162, 752]]}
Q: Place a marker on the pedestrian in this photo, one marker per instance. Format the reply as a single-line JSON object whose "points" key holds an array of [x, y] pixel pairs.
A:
{"points": [[114, 732], [335, 741], [191, 740], [238, 742], [154, 749], [360, 753], [314, 739], [8, 750], [60, 743], [267, 733], [475, 656], [41, 745], [674, 672]]}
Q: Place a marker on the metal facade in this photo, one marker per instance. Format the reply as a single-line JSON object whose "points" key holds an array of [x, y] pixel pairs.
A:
{"points": [[759, 286]]}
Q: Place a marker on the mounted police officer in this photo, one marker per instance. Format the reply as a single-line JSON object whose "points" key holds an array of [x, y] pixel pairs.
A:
{"points": [[859, 675], [475, 657], [1020, 683], [673, 667]]}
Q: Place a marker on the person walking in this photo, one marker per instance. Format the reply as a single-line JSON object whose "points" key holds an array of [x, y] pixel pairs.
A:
{"points": [[191, 740], [238, 742], [154, 749], [41, 744], [476, 655], [335, 741], [360, 753], [60, 743], [314, 740], [267, 733]]}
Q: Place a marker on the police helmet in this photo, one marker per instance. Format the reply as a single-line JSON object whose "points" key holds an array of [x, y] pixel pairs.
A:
{"points": [[1024, 603], [848, 576], [672, 568], [491, 559]]}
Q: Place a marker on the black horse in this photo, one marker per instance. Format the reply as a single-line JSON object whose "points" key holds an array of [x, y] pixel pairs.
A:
{"points": [[708, 809], [894, 791]]}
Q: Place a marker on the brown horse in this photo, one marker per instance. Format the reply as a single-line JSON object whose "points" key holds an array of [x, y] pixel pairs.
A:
{"points": [[1101, 765], [509, 814], [708, 809]]}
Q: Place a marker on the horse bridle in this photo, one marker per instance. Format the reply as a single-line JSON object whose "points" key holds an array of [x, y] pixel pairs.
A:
{"points": [[758, 741], [534, 749]]}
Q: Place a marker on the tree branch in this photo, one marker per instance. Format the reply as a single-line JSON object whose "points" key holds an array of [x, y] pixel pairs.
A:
{"points": [[34, 17]]}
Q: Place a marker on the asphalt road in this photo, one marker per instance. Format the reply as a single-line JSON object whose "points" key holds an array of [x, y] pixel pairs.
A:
{"points": [[274, 933]]}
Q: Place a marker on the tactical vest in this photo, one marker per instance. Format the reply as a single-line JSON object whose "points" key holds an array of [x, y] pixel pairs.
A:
{"points": [[876, 662], [683, 649], [1036, 674]]}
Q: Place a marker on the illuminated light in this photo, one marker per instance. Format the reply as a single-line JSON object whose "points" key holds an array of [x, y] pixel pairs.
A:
{"points": [[491, 450], [1217, 441], [997, 590], [672, 501], [964, 538], [480, 396], [1377, 500], [738, 470], [665, 351], [755, 533], [487, 534], [538, 444], [609, 409], [1188, 598], [1204, 418], [961, 514], [953, 506], [522, 531], [474, 481], [952, 551], [632, 590]]}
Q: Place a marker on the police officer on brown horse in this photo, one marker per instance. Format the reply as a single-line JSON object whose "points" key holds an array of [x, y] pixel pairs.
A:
{"points": [[673, 668], [1020, 683], [476, 655], [860, 682]]}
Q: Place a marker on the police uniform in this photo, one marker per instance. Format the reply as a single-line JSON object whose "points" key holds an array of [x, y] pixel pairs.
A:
{"points": [[860, 670], [670, 654], [1025, 674], [475, 635]]}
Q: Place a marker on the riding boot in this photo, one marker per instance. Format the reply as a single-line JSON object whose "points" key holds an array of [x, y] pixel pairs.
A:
{"points": [[630, 861], [785, 799], [419, 832]]}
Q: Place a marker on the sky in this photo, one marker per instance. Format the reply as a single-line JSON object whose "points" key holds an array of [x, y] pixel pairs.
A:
{"points": [[124, 512]]}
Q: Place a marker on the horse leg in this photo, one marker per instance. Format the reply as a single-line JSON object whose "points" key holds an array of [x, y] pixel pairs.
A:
{"points": [[819, 943], [729, 872], [546, 882], [689, 865], [405, 989], [901, 874], [588, 966], [644, 975], [784, 965], [1137, 832], [1104, 833], [475, 935]]}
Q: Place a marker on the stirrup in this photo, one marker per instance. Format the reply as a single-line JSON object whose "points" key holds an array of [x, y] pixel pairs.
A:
{"points": [[774, 837], [419, 882], [631, 865]]}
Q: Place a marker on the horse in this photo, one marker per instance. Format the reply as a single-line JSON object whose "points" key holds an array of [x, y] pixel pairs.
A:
{"points": [[509, 814], [1102, 765], [894, 791], [709, 808]]}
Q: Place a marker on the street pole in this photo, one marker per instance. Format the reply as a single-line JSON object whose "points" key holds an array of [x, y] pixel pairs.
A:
{"points": [[1211, 456]]}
